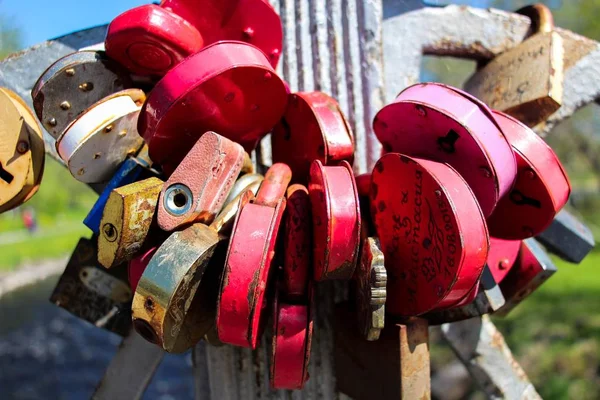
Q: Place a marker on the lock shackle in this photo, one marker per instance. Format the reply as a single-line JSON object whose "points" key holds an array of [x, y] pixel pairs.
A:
{"points": [[542, 20], [274, 186]]}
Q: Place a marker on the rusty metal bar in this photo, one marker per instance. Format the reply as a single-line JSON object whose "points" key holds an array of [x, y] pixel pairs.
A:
{"points": [[415, 370]]}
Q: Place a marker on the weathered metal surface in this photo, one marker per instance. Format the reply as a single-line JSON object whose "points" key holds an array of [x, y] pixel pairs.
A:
{"points": [[371, 280], [482, 349], [126, 221], [568, 238], [130, 371], [336, 220], [415, 370], [432, 233], [441, 123]]}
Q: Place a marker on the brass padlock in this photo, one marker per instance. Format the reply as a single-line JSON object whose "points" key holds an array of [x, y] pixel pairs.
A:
{"points": [[525, 82]]}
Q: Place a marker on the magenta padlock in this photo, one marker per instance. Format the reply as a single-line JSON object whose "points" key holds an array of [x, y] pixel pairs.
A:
{"points": [[441, 123]]}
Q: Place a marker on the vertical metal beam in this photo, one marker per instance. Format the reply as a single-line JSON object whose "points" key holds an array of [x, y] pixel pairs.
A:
{"points": [[415, 370]]}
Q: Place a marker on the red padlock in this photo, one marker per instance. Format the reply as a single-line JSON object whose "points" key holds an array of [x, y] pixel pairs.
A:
{"points": [[432, 232], [138, 265], [441, 123], [297, 242], [336, 220], [363, 186], [150, 40], [502, 257], [313, 128], [240, 312], [541, 189], [228, 87]]}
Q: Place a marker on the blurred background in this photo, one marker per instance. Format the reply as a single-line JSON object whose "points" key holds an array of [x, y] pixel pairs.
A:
{"points": [[555, 334]]}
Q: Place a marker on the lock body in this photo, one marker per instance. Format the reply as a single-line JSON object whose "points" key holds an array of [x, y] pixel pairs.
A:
{"points": [[297, 242]]}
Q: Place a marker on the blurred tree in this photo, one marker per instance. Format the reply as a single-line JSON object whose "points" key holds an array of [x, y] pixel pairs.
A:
{"points": [[10, 37]]}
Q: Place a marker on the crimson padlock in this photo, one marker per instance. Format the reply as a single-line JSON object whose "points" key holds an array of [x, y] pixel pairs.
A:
{"points": [[502, 256], [197, 189], [313, 128], [363, 187], [336, 220], [297, 242], [437, 122], [432, 232], [72, 84], [96, 143], [227, 87], [138, 265], [248, 268], [541, 189]]}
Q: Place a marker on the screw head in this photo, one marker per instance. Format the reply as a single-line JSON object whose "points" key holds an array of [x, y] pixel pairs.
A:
{"points": [[22, 147]]}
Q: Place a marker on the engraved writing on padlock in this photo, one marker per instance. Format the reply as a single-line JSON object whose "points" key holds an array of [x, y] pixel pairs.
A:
{"points": [[441, 123], [568, 238], [228, 87], [248, 268], [336, 220], [432, 233], [101, 138], [502, 256], [526, 81], [197, 189], [313, 128], [126, 221], [21, 152], [72, 84], [297, 242], [541, 189]]}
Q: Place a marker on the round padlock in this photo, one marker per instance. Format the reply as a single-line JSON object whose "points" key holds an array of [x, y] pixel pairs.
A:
{"points": [[541, 189], [502, 256], [96, 143], [72, 84], [150, 40], [441, 123], [336, 220], [313, 128], [432, 232], [228, 87], [138, 265]]}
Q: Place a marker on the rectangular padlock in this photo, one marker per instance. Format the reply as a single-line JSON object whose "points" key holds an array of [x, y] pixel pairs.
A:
{"points": [[568, 238], [92, 293]]}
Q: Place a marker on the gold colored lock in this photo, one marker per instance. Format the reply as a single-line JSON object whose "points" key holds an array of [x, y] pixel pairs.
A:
{"points": [[170, 306], [22, 153], [525, 82], [126, 221]]}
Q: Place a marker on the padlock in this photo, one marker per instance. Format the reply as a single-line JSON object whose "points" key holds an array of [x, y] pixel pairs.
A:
{"points": [[240, 185], [138, 265], [432, 232], [363, 187], [168, 306], [526, 81], [22, 153], [248, 267], [541, 189], [312, 128], [502, 256], [370, 280], [72, 84], [134, 168], [126, 221], [297, 242], [197, 189], [568, 238], [227, 87], [92, 293], [100, 139], [336, 220], [532, 269], [441, 123]]}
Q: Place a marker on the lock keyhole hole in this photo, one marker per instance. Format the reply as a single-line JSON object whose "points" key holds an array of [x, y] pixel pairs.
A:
{"points": [[5, 175]]}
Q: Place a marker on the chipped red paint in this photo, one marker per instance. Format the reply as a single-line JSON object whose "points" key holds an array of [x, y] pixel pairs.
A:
{"points": [[138, 265], [227, 87], [313, 128], [441, 123], [248, 267], [541, 189], [432, 233], [336, 220], [502, 257]]}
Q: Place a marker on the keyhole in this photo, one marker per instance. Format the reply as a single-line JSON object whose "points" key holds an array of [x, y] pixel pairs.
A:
{"points": [[447, 142], [5, 175], [520, 199]]}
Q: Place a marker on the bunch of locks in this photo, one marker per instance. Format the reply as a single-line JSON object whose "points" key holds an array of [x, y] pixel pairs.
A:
{"points": [[162, 125]]}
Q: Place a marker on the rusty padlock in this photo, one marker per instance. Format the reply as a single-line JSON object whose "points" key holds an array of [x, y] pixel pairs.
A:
{"points": [[22, 153], [297, 242], [96, 143], [126, 221], [540, 191], [432, 232], [441, 123], [92, 293], [227, 87], [197, 189], [313, 128], [526, 81], [248, 268], [502, 256], [72, 84], [336, 220], [168, 308]]}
